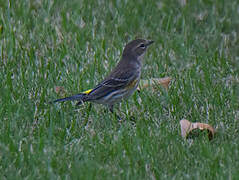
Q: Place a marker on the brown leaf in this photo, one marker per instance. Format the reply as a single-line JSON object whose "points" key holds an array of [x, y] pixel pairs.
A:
{"points": [[60, 90], [153, 82], [187, 127]]}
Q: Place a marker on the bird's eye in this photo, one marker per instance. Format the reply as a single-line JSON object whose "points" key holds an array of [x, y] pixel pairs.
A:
{"points": [[142, 45]]}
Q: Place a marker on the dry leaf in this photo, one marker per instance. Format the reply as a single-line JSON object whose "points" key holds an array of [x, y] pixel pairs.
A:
{"points": [[154, 82], [60, 90], [187, 127]]}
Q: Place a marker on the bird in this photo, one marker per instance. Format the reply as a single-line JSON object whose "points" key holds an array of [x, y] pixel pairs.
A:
{"points": [[121, 82]]}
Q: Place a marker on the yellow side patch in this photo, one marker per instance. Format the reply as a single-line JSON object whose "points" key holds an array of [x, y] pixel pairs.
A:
{"points": [[132, 84], [87, 91]]}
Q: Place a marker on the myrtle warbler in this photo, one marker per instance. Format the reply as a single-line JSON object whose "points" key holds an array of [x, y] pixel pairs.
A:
{"points": [[121, 82]]}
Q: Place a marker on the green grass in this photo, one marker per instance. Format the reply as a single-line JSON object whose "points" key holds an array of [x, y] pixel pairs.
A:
{"points": [[74, 44]]}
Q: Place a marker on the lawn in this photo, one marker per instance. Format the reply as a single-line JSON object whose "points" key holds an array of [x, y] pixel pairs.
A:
{"points": [[74, 44]]}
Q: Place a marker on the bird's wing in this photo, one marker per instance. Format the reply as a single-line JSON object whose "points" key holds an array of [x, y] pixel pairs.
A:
{"points": [[112, 83]]}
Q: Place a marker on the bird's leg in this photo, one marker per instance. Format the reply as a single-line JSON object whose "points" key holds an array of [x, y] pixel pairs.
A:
{"points": [[90, 107], [111, 107], [87, 114]]}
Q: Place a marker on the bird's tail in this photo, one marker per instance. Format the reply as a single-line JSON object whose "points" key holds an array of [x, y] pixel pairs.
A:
{"points": [[77, 97], [81, 97]]}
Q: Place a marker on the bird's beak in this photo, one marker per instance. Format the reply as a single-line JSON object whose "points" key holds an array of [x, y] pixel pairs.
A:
{"points": [[149, 43]]}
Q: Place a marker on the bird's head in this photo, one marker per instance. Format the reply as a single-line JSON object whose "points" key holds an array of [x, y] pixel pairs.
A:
{"points": [[136, 48]]}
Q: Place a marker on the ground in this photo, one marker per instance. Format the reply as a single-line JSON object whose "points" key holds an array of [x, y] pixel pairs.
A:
{"points": [[74, 44]]}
